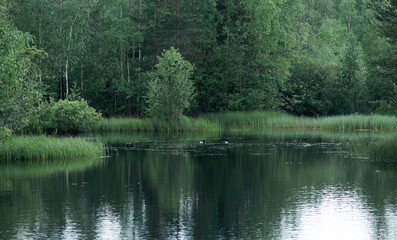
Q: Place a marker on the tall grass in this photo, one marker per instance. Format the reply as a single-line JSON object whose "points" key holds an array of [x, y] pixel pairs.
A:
{"points": [[283, 120], [149, 125], [47, 148], [385, 149], [241, 120]]}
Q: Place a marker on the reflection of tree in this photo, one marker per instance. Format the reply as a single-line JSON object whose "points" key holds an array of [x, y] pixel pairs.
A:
{"points": [[24, 198], [252, 189]]}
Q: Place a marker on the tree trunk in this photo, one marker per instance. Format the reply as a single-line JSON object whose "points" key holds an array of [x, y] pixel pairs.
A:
{"points": [[82, 78], [140, 44], [40, 46], [177, 20], [133, 55], [60, 55], [128, 68], [121, 49], [82, 64], [67, 59], [156, 26]]}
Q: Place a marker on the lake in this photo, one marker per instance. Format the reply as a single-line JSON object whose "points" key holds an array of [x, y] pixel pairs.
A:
{"points": [[261, 185]]}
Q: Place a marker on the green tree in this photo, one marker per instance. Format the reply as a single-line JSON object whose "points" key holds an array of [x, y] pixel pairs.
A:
{"points": [[19, 90], [171, 90]]}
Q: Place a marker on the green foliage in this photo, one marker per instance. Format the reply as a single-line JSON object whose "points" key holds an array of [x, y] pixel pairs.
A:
{"points": [[64, 116], [171, 89], [306, 57], [384, 149], [283, 120], [149, 125], [47, 148], [73, 116], [5, 134], [18, 82]]}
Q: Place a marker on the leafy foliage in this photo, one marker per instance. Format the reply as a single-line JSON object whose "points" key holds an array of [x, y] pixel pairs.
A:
{"points": [[64, 116], [5, 134], [19, 90], [171, 89], [306, 57]]}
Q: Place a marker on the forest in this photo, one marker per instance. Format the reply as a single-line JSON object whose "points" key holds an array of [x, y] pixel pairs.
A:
{"points": [[304, 57]]}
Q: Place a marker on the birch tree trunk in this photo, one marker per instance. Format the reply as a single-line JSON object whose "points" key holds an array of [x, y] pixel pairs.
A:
{"points": [[67, 58], [121, 49], [60, 53], [140, 43], [40, 45]]}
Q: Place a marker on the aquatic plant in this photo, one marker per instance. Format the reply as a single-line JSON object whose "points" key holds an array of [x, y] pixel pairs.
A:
{"points": [[148, 125], [283, 120], [46, 148], [384, 149]]}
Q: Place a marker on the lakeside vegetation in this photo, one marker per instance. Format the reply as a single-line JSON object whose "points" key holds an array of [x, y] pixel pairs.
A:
{"points": [[186, 124], [47, 148], [248, 77], [283, 120], [384, 149], [256, 119]]}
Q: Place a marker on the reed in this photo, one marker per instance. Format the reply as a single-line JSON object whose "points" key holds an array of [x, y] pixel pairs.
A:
{"points": [[283, 120], [125, 125], [384, 149], [149, 125], [47, 148]]}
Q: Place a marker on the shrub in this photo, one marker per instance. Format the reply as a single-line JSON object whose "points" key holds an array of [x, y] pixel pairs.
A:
{"points": [[72, 116], [5, 134], [64, 116]]}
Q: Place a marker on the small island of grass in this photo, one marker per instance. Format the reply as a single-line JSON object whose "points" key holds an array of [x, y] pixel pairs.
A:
{"points": [[48, 148]]}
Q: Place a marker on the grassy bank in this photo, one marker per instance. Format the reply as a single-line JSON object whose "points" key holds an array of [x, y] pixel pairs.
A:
{"points": [[385, 149], [47, 148], [148, 125], [283, 120], [241, 120]]}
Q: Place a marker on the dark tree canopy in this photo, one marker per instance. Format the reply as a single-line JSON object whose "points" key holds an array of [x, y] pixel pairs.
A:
{"points": [[305, 57]]}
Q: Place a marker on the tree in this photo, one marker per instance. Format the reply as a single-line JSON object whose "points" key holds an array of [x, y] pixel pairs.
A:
{"points": [[386, 16], [18, 86], [171, 89]]}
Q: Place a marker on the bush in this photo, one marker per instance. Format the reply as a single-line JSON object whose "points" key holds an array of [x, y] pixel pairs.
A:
{"points": [[5, 134], [72, 116], [64, 116]]}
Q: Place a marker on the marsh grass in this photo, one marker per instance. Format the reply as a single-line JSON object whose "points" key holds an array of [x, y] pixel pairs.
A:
{"points": [[283, 120], [148, 125], [246, 120], [384, 149], [47, 148]]}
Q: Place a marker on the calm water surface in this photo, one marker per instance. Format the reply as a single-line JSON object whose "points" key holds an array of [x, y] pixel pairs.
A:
{"points": [[259, 186]]}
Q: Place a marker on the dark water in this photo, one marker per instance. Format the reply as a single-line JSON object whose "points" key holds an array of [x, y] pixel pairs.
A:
{"points": [[259, 186]]}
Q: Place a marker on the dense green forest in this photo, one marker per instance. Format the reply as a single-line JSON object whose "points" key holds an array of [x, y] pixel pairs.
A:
{"points": [[323, 57]]}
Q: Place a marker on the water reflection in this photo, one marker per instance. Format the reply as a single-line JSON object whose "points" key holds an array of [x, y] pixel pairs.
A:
{"points": [[332, 213], [174, 188]]}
